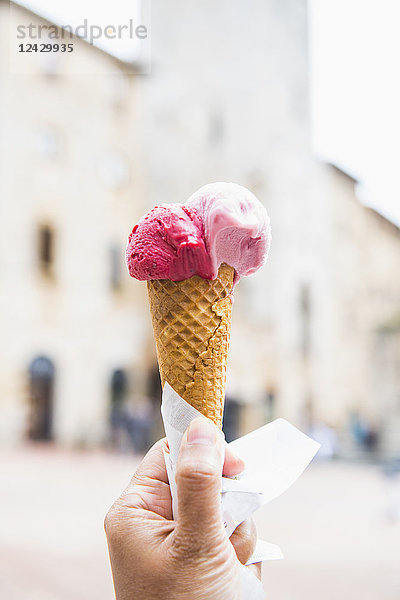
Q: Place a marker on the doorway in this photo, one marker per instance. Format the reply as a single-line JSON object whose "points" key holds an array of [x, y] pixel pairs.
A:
{"points": [[41, 389]]}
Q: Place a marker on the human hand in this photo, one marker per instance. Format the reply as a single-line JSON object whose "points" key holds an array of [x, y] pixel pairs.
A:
{"points": [[152, 556]]}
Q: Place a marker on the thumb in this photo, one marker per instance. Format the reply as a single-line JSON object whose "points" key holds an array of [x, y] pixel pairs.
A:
{"points": [[198, 480]]}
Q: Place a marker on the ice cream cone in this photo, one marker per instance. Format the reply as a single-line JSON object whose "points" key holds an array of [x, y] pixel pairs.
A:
{"points": [[192, 322]]}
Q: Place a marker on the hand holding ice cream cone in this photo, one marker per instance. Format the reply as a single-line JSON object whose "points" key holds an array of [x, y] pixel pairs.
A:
{"points": [[156, 556]]}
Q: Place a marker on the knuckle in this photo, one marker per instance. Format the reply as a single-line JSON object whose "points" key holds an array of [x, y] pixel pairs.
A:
{"points": [[180, 550], [196, 475], [109, 521], [244, 540], [112, 521], [190, 549]]}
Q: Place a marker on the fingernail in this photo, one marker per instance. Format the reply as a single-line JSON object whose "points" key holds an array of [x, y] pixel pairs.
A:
{"points": [[237, 457], [202, 432]]}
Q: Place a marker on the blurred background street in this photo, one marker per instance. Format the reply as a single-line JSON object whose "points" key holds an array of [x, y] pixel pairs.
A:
{"points": [[336, 527], [296, 100], [316, 332]]}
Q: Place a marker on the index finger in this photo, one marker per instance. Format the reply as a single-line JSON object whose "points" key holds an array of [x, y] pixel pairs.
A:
{"points": [[153, 464]]}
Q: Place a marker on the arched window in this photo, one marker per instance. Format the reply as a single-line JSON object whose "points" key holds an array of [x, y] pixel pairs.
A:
{"points": [[41, 386], [46, 250]]}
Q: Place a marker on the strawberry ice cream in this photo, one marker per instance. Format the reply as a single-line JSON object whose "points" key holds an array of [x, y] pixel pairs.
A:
{"points": [[220, 223]]}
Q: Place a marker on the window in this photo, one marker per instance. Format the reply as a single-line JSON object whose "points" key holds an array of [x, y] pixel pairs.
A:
{"points": [[269, 405], [46, 249], [115, 267], [114, 169], [216, 128], [305, 319]]}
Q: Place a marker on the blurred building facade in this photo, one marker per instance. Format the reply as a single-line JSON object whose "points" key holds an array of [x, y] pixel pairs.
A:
{"points": [[72, 186], [315, 332], [228, 100]]}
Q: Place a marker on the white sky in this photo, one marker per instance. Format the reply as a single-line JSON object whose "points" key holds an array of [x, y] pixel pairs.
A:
{"points": [[355, 50], [355, 68]]}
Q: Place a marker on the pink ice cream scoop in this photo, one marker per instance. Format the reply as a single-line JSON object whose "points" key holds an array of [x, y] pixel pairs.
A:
{"points": [[220, 223]]}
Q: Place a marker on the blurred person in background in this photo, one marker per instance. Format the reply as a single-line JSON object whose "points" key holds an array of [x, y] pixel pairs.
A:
{"points": [[154, 393], [326, 436], [231, 419], [140, 418], [391, 472], [364, 434], [118, 417]]}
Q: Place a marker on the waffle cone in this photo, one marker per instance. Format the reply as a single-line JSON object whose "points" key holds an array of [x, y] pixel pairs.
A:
{"points": [[191, 323]]}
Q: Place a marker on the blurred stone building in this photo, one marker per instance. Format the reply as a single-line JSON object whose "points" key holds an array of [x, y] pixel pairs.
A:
{"points": [[72, 187], [228, 100], [315, 332]]}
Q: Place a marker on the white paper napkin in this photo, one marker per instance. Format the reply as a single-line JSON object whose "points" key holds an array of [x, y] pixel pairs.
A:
{"points": [[275, 456]]}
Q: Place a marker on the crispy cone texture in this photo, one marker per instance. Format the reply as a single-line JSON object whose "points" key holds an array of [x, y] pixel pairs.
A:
{"points": [[192, 322]]}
